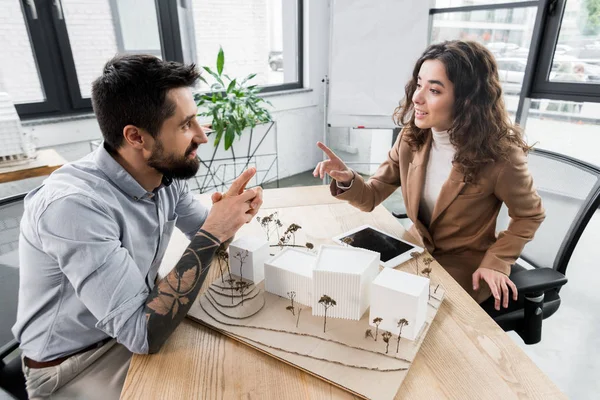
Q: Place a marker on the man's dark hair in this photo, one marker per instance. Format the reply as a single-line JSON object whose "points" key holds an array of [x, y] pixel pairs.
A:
{"points": [[132, 90]]}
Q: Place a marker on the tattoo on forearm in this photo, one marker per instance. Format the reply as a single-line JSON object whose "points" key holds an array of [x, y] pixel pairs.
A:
{"points": [[173, 296]]}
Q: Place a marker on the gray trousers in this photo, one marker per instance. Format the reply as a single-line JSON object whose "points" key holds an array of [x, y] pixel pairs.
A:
{"points": [[95, 374]]}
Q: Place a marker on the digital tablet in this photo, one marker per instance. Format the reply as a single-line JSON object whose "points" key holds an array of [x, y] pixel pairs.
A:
{"points": [[393, 251]]}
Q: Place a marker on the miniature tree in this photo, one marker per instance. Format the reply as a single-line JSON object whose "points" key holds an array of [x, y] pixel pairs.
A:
{"points": [[326, 302], [386, 338], [348, 241], [427, 271], [427, 261], [290, 234], [223, 259], [241, 287], [292, 296], [242, 257], [415, 255], [401, 323], [368, 333], [298, 318], [269, 223], [377, 321], [231, 283]]}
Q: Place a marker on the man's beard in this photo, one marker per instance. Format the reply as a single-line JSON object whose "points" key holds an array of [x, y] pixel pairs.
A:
{"points": [[172, 166]]}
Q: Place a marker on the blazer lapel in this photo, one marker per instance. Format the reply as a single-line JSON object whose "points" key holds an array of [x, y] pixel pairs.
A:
{"points": [[450, 189], [415, 179]]}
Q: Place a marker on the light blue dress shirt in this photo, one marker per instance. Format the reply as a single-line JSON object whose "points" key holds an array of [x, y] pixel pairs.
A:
{"points": [[91, 242]]}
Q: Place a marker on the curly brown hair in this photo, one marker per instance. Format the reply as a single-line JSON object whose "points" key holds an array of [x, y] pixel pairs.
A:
{"points": [[481, 130]]}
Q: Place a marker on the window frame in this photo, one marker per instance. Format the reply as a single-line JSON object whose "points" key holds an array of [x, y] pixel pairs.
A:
{"points": [[543, 88], [52, 51], [544, 39]]}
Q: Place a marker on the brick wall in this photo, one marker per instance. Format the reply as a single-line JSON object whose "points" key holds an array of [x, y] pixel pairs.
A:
{"points": [[92, 38], [241, 28], [18, 70]]}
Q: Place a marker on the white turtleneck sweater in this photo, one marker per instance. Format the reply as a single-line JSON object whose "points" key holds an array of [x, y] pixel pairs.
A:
{"points": [[437, 172]]}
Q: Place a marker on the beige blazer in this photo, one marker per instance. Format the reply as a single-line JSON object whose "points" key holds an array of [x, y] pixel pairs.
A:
{"points": [[462, 233]]}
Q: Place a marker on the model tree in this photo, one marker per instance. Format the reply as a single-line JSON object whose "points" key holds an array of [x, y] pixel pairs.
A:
{"points": [[241, 256], [348, 241], [377, 321], [427, 271], [298, 318], [415, 255], [327, 302], [292, 296], [231, 283], [386, 338], [401, 324], [270, 223], [241, 287], [223, 260]]}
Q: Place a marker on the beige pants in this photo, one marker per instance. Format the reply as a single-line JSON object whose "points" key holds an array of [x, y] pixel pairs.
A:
{"points": [[95, 374]]}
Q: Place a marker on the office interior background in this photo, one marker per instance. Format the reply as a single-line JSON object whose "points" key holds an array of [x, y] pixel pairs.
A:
{"points": [[548, 55]]}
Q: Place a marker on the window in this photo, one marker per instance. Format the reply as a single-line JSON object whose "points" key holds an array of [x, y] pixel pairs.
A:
{"points": [[569, 61], [506, 32], [548, 55], [53, 50], [252, 36], [565, 127], [19, 70]]}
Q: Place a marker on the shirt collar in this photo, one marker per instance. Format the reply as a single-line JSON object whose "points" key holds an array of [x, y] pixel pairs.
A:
{"points": [[120, 177]]}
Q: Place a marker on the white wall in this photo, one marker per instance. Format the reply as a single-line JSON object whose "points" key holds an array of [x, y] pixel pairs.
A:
{"points": [[299, 114]]}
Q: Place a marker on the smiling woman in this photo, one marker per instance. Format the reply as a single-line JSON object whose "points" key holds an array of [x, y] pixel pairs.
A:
{"points": [[458, 158]]}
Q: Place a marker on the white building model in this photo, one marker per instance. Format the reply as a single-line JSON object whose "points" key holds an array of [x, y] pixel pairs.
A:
{"points": [[345, 274], [291, 271], [396, 295], [253, 252]]}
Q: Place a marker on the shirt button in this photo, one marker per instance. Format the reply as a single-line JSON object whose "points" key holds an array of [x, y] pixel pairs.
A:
{"points": [[135, 198]]}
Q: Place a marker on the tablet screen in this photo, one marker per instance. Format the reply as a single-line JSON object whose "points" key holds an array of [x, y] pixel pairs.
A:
{"points": [[383, 244]]}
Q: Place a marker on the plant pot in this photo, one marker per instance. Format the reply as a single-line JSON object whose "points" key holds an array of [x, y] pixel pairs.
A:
{"points": [[256, 147]]}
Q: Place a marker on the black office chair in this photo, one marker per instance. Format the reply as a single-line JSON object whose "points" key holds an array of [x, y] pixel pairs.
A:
{"points": [[570, 191], [12, 379]]}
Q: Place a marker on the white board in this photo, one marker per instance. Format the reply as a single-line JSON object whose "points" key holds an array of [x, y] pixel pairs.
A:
{"points": [[373, 48]]}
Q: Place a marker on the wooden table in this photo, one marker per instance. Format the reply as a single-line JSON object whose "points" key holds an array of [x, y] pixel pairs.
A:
{"points": [[464, 356], [45, 162]]}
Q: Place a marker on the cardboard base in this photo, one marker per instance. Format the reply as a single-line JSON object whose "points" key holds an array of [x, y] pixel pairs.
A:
{"points": [[343, 355]]}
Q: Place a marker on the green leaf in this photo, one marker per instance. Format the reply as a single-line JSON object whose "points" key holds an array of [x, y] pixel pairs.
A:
{"points": [[217, 77], [229, 136], [220, 61], [231, 86], [246, 79], [218, 137]]}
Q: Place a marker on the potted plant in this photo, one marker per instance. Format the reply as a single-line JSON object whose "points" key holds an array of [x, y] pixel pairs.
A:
{"points": [[233, 105]]}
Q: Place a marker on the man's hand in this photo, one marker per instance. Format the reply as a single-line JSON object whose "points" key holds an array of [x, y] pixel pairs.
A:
{"points": [[498, 283], [334, 167], [244, 178], [233, 209]]}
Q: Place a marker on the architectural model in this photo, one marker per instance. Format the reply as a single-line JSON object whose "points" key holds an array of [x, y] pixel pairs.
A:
{"points": [[397, 295], [291, 271], [337, 340], [345, 275], [247, 257]]}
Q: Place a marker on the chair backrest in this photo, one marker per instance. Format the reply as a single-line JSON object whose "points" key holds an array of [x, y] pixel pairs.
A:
{"points": [[570, 192], [11, 211]]}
